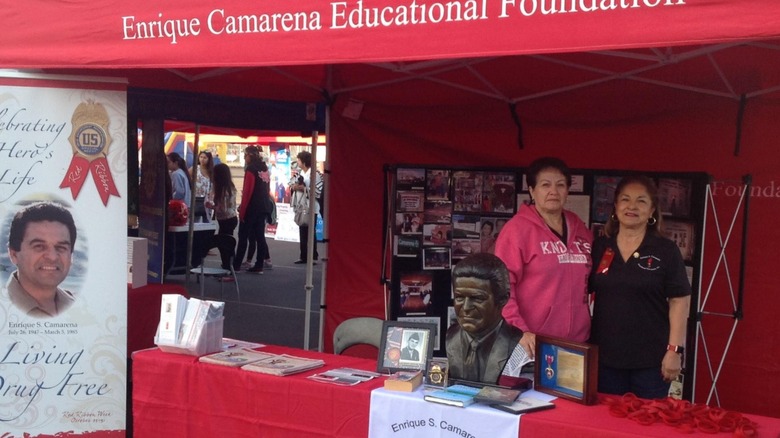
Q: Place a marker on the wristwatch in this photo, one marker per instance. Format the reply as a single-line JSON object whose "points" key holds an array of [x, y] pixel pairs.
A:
{"points": [[676, 348]]}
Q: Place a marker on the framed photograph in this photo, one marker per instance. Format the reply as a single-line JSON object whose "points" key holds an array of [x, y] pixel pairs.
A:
{"points": [[409, 200], [437, 258], [467, 191], [416, 292], [438, 185], [408, 223], [567, 369], [435, 320], [498, 193], [580, 205], [437, 234], [674, 196], [407, 246], [410, 178], [603, 197], [683, 235], [438, 212], [405, 346]]}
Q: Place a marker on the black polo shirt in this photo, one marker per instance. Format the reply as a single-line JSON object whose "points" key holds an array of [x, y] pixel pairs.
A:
{"points": [[631, 310]]}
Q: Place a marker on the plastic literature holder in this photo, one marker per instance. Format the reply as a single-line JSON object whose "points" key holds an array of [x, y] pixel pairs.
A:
{"points": [[210, 340]]}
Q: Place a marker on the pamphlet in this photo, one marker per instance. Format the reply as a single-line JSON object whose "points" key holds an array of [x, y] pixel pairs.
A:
{"points": [[283, 365], [497, 395], [235, 357], [228, 344], [172, 310], [524, 405], [455, 395], [344, 376]]}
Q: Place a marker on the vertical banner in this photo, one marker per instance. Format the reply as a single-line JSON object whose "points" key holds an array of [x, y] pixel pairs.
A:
{"points": [[153, 194], [63, 291]]}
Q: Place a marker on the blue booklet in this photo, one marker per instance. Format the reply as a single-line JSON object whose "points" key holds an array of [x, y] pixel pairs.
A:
{"points": [[455, 395]]}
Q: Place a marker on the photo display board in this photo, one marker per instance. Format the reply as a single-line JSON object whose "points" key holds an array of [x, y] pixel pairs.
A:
{"points": [[441, 215]]}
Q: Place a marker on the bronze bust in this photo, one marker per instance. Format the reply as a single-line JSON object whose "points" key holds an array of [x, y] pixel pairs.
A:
{"points": [[480, 344]]}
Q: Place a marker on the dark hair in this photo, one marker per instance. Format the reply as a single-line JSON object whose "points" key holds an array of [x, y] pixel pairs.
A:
{"points": [[612, 225], [541, 164], [485, 266], [209, 164], [223, 182], [492, 227], [176, 158], [305, 157], [39, 212]]}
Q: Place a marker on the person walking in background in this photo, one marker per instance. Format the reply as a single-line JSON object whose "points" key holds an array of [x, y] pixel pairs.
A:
{"points": [[547, 252], [253, 212], [222, 199], [299, 189], [180, 183], [203, 186], [642, 296]]}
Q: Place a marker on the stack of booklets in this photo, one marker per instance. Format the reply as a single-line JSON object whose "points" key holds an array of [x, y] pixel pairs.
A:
{"points": [[455, 395], [344, 376], [283, 365]]}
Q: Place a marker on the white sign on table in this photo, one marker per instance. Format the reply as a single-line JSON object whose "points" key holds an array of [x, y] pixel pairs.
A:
{"points": [[406, 415]]}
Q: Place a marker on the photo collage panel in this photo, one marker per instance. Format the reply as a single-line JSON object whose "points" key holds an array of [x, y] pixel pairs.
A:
{"points": [[443, 215]]}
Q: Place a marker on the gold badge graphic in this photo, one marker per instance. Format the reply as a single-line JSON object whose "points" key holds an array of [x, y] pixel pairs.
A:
{"points": [[90, 140]]}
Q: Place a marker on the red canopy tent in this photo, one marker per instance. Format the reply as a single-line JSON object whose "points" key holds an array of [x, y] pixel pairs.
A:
{"points": [[676, 85]]}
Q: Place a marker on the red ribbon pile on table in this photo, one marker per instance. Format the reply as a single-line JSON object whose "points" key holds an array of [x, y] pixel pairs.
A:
{"points": [[684, 416]]}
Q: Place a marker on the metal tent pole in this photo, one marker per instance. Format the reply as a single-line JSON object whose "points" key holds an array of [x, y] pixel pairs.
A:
{"points": [[310, 238], [325, 235]]}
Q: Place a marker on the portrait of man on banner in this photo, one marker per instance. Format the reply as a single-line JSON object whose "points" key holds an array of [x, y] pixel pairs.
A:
{"points": [[41, 243]]}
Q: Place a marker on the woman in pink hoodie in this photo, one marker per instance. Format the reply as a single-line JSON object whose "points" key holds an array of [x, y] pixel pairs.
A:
{"points": [[547, 252]]}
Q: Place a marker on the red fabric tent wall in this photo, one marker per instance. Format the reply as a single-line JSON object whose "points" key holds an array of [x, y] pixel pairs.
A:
{"points": [[696, 136], [604, 126]]}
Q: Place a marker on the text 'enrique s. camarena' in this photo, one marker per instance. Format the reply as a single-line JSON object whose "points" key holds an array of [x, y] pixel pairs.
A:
{"points": [[345, 15]]}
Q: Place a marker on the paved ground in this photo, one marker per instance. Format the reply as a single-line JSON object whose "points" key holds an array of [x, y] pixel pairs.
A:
{"points": [[272, 307]]}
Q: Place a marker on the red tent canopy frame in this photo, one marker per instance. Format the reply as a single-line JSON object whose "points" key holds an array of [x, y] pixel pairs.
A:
{"points": [[677, 85]]}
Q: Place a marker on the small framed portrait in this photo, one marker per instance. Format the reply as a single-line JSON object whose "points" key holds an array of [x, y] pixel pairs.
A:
{"points": [[405, 346], [567, 369]]}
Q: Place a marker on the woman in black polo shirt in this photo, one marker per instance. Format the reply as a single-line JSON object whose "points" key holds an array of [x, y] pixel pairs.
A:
{"points": [[642, 296]]}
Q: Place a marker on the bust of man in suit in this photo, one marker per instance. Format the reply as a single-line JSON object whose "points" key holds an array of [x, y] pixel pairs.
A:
{"points": [[480, 344]]}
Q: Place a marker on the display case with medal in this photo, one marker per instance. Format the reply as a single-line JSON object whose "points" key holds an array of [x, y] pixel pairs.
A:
{"points": [[436, 376], [566, 369]]}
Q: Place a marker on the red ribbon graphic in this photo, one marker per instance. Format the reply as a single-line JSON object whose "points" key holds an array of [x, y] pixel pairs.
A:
{"points": [[77, 173]]}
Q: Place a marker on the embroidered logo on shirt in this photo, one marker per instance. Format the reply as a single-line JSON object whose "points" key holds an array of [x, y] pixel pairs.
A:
{"points": [[649, 263], [572, 258]]}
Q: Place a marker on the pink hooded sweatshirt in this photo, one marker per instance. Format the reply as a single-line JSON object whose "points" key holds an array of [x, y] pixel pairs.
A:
{"points": [[548, 280]]}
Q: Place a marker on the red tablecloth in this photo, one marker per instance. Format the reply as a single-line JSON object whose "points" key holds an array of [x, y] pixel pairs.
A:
{"points": [[572, 419], [177, 396], [143, 313]]}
